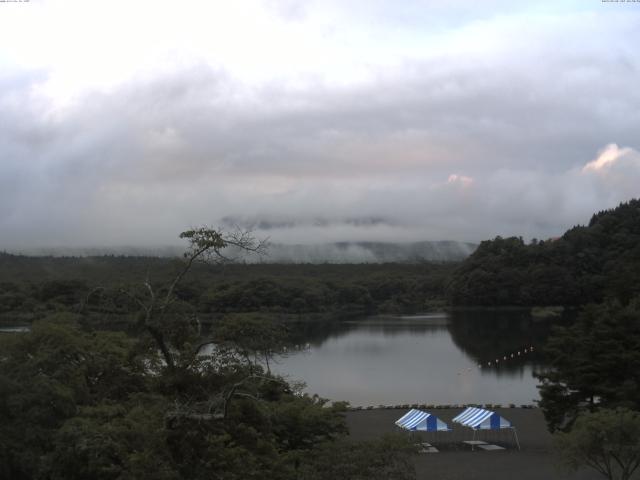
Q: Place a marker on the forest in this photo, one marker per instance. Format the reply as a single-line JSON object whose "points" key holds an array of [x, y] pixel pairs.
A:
{"points": [[149, 401], [33, 287], [585, 265]]}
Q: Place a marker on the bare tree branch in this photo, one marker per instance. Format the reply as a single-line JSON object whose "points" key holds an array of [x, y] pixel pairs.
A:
{"points": [[204, 243]]}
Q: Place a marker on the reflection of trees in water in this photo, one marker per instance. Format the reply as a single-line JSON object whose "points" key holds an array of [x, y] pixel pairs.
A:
{"points": [[401, 327], [483, 335], [492, 334], [316, 332]]}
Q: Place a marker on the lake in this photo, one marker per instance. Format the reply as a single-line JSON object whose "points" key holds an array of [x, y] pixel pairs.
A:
{"points": [[426, 359], [432, 359]]}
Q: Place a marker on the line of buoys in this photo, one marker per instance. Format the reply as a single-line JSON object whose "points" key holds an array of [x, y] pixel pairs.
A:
{"points": [[504, 358], [509, 356]]}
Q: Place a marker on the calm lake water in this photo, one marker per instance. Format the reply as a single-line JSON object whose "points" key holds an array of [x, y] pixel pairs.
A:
{"points": [[16, 329], [432, 359]]}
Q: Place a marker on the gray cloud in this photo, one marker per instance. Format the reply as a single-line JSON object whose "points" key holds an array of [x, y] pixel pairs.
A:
{"points": [[458, 144]]}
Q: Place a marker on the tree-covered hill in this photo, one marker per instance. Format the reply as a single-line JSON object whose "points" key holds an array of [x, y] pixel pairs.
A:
{"points": [[33, 287], [587, 264]]}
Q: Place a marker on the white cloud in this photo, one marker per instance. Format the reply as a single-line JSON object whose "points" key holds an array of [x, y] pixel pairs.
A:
{"points": [[461, 180], [609, 157]]}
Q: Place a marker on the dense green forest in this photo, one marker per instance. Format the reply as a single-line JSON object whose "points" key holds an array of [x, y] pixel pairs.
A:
{"points": [[587, 264], [33, 287], [77, 402], [593, 363]]}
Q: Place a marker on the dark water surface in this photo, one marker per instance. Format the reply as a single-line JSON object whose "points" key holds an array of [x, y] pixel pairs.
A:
{"points": [[432, 359]]}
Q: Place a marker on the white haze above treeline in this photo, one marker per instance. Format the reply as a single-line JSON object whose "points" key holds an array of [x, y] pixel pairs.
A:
{"points": [[314, 122], [342, 252]]}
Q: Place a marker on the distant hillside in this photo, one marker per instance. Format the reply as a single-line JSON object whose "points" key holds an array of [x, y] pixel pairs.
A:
{"points": [[586, 264], [341, 252], [33, 287]]}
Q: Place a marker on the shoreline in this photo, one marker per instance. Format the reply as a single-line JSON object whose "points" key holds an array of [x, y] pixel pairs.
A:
{"points": [[424, 406]]}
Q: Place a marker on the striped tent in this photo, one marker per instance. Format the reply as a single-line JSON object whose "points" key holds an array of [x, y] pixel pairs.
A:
{"points": [[481, 419], [417, 420]]}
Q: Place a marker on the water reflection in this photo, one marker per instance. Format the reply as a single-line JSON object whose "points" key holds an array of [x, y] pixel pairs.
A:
{"points": [[426, 359], [15, 329], [487, 336], [430, 359]]}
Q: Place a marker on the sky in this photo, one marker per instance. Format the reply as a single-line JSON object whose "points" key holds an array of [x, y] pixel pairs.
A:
{"points": [[125, 123]]}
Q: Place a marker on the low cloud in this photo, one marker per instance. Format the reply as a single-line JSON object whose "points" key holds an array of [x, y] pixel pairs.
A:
{"points": [[472, 126]]}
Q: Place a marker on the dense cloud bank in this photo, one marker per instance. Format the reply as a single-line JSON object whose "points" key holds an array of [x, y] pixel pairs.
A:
{"points": [[343, 252], [495, 122]]}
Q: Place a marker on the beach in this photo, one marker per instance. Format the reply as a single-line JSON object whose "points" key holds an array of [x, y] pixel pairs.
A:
{"points": [[456, 460]]}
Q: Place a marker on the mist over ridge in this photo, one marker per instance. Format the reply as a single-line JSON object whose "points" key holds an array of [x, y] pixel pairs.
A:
{"points": [[337, 252]]}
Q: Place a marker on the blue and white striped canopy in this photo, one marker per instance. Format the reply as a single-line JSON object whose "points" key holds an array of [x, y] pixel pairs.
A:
{"points": [[481, 419], [418, 420]]}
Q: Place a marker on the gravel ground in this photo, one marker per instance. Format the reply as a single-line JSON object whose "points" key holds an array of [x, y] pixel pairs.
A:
{"points": [[535, 460]]}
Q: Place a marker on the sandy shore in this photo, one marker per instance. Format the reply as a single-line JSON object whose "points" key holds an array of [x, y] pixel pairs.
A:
{"points": [[535, 460]]}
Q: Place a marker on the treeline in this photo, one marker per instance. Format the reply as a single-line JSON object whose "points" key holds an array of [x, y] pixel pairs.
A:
{"points": [[33, 287], [587, 264]]}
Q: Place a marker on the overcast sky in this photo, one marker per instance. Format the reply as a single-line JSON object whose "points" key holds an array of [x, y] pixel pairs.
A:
{"points": [[123, 123]]}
